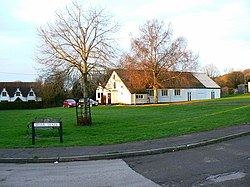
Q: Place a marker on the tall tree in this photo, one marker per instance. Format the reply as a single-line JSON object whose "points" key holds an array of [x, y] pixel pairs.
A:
{"points": [[211, 70], [157, 53], [79, 40]]}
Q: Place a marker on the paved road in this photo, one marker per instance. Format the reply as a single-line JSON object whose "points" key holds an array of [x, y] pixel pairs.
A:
{"points": [[103, 173], [223, 164]]}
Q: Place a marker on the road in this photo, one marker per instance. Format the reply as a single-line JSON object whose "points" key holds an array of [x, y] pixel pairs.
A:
{"points": [[222, 164], [103, 173]]}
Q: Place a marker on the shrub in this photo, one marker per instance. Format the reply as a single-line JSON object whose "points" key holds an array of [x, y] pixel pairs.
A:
{"points": [[20, 105]]}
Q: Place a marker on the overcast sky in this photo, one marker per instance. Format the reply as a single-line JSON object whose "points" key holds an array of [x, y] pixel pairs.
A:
{"points": [[219, 30]]}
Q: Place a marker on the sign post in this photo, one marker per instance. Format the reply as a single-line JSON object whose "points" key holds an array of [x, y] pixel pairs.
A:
{"points": [[44, 124]]}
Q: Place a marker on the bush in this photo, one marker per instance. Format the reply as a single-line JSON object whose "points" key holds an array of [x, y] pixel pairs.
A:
{"points": [[20, 105]]}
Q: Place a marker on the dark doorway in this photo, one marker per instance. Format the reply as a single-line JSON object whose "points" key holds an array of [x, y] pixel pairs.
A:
{"points": [[189, 96], [103, 99], [109, 98], [212, 95]]}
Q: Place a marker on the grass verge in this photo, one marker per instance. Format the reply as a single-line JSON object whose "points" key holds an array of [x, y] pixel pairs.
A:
{"points": [[120, 124]]}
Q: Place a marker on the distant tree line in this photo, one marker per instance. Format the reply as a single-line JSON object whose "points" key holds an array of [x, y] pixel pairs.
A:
{"points": [[229, 82], [57, 86]]}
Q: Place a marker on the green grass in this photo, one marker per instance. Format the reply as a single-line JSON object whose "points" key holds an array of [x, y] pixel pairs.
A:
{"points": [[119, 124]]}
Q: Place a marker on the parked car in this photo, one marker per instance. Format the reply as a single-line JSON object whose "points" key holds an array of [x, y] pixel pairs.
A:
{"points": [[91, 102], [68, 103]]}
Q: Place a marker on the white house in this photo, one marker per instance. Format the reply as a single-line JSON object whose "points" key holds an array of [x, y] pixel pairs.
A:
{"points": [[18, 91], [124, 87]]}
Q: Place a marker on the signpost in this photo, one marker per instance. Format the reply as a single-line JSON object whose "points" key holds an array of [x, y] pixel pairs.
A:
{"points": [[44, 124]]}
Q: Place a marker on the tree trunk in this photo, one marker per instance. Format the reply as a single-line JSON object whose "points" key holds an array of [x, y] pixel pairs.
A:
{"points": [[85, 95], [85, 115], [155, 95]]}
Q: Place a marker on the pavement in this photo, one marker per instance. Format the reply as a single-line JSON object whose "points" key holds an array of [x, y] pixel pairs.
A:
{"points": [[141, 148]]}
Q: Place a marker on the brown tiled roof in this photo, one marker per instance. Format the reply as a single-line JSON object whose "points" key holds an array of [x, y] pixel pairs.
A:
{"points": [[138, 81], [11, 87]]}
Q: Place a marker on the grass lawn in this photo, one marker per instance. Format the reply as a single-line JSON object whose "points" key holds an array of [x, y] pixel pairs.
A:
{"points": [[119, 124]]}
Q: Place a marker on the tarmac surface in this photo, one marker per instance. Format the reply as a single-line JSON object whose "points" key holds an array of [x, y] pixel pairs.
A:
{"points": [[84, 153]]}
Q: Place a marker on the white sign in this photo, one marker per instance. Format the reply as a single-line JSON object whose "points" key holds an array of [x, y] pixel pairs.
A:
{"points": [[46, 124]]}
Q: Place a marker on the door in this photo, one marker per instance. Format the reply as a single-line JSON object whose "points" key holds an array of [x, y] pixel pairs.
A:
{"points": [[212, 95], [189, 96], [103, 99], [109, 98]]}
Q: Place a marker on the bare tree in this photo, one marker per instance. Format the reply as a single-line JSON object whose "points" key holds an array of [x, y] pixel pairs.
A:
{"points": [[211, 70], [157, 53], [79, 40]]}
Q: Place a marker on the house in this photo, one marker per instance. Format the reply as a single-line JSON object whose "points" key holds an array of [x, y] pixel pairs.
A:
{"points": [[242, 88], [18, 91], [130, 87]]}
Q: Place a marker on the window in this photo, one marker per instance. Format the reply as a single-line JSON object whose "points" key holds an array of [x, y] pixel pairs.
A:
{"points": [[139, 96], [31, 94], [164, 92], [177, 92], [114, 76], [151, 92], [18, 93], [4, 94], [99, 95], [114, 85]]}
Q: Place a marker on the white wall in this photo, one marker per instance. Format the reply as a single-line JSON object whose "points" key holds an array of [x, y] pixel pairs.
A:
{"points": [[117, 89], [31, 98], [141, 100], [120, 93], [196, 94], [100, 91], [4, 98]]}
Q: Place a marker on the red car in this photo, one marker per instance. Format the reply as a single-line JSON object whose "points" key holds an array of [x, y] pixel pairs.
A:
{"points": [[68, 103]]}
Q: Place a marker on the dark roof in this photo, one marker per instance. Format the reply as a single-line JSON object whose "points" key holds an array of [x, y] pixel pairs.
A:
{"points": [[180, 80], [11, 87], [135, 80], [139, 81]]}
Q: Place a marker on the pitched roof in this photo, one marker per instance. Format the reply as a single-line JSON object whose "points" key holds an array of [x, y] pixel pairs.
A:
{"points": [[205, 80], [134, 80], [180, 80], [11, 87], [137, 80]]}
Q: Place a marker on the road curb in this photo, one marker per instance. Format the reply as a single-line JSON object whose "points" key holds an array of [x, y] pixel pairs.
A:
{"points": [[124, 154]]}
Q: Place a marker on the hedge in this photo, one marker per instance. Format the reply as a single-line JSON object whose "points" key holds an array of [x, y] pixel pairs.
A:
{"points": [[20, 105]]}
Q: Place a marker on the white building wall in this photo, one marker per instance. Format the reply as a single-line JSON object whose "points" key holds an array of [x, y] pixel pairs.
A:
{"points": [[125, 96], [140, 100], [99, 92], [117, 89], [120, 93], [31, 98], [4, 98], [18, 96], [196, 94]]}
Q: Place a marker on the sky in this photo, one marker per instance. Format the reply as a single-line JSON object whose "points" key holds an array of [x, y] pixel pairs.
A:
{"points": [[218, 30]]}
